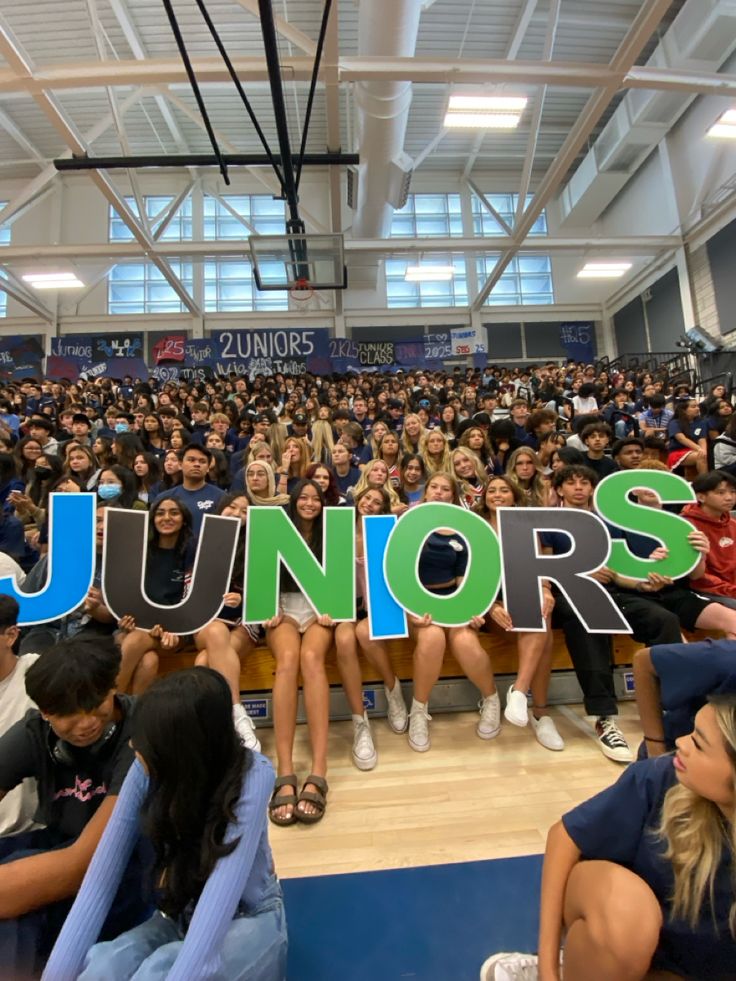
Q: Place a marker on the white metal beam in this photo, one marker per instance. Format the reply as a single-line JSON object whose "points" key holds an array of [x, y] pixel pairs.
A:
{"points": [[634, 245], [525, 15], [488, 206], [290, 33], [29, 302], [17, 134], [645, 23], [441, 71], [538, 109]]}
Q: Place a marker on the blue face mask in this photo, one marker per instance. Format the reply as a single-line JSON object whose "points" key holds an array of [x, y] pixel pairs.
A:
{"points": [[121, 427], [109, 491]]}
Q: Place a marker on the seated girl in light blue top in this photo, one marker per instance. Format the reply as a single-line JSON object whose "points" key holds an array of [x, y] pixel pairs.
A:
{"points": [[201, 798]]}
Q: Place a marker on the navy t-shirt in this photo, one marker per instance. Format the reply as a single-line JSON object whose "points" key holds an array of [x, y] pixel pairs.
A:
{"points": [[618, 825], [350, 479], [443, 558], [200, 502]]}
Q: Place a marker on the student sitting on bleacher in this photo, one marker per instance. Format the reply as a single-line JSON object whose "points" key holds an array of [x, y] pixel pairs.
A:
{"points": [[716, 494]]}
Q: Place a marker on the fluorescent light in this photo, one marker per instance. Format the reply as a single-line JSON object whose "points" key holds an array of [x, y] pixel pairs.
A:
{"points": [[725, 126], [53, 281], [481, 120], [484, 111], [604, 270], [487, 103], [426, 273]]}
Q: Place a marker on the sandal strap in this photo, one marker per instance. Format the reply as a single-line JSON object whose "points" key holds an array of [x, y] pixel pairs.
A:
{"points": [[288, 781], [284, 801], [317, 799], [318, 782]]}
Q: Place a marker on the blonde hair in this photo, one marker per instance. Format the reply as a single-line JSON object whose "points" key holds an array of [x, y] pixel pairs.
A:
{"points": [[305, 455], [363, 483], [323, 442], [536, 493], [276, 436], [379, 451], [452, 481], [405, 443], [695, 834], [433, 467], [271, 496], [254, 448]]}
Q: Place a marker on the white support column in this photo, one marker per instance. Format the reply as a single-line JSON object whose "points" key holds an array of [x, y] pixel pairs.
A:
{"points": [[686, 294]]}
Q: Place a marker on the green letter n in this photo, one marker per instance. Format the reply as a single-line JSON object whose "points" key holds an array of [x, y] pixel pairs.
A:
{"points": [[272, 539]]}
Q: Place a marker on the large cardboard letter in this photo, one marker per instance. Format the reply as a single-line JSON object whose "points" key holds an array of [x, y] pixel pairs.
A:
{"points": [[272, 539], [71, 561], [524, 567], [613, 503], [123, 563], [482, 577], [385, 617]]}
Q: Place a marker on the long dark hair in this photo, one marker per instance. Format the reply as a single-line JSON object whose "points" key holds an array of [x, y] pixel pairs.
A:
{"points": [[314, 543], [186, 533], [183, 728]]}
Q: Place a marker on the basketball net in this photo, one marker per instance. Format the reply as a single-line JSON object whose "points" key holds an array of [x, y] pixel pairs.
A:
{"points": [[301, 292]]}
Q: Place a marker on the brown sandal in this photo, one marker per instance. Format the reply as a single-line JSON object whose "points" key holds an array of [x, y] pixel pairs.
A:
{"points": [[319, 799], [283, 800]]}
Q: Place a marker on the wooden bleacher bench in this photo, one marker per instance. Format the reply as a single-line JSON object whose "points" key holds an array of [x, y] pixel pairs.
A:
{"points": [[258, 668]]}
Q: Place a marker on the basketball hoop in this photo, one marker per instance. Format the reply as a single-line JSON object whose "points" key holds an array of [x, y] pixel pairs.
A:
{"points": [[301, 292]]}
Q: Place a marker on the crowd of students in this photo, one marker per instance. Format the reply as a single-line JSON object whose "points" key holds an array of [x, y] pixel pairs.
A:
{"points": [[382, 444]]}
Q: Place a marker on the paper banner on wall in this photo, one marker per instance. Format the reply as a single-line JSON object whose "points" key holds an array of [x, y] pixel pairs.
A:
{"points": [[410, 353], [21, 356], [171, 348], [180, 373], [98, 348], [348, 355], [578, 340], [74, 367], [467, 341], [267, 352]]}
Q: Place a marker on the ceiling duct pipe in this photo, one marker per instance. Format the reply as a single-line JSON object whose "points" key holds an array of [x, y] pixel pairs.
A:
{"points": [[386, 29]]}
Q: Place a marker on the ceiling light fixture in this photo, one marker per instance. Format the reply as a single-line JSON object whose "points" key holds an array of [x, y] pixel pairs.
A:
{"points": [[53, 281], [484, 111], [427, 273], [724, 127], [604, 270]]}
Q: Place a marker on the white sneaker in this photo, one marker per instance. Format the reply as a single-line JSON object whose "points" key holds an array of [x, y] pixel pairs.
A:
{"points": [[365, 756], [510, 967], [489, 724], [398, 717], [245, 728], [419, 720], [517, 707], [611, 740], [546, 732]]}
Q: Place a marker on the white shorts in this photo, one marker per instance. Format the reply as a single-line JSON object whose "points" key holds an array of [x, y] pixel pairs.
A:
{"points": [[296, 608]]}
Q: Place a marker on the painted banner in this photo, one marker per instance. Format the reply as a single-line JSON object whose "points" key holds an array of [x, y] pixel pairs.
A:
{"points": [[266, 352], [409, 353], [21, 356], [578, 340], [437, 345], [181, 372], [96, 349], [73, 367], [170, 348], [467, 341], [348, 355]]}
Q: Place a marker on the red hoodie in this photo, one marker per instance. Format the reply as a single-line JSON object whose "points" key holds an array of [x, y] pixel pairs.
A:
{"points": [[720, 562]]}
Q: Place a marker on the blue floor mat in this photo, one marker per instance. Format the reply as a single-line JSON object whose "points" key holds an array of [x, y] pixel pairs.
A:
{"points": [[435, 923]]}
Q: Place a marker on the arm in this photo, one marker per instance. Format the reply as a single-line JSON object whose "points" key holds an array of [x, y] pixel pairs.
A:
{"points": [[560, 857], [101, 881], [38, 880], [200, 953], [649, 703]]}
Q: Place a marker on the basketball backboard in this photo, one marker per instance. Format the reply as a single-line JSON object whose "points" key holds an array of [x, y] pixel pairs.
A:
{"points": [[284, 262]]}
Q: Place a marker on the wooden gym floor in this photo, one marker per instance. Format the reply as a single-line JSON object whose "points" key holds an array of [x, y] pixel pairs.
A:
{"points": [[464, 800]]}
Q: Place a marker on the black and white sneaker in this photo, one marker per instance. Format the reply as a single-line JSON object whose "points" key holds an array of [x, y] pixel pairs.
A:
{"points": [[611, 740]]}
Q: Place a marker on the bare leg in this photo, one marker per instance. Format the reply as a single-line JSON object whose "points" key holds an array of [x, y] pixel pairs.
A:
{"points": [[349, 667], [542, 675], [285, 644], [718, 617], [613, 920], [376, 654], [221, 656], [472, 658], [429, 653], [316, 642], [530, 648], [132, 648], [145, 673]]}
